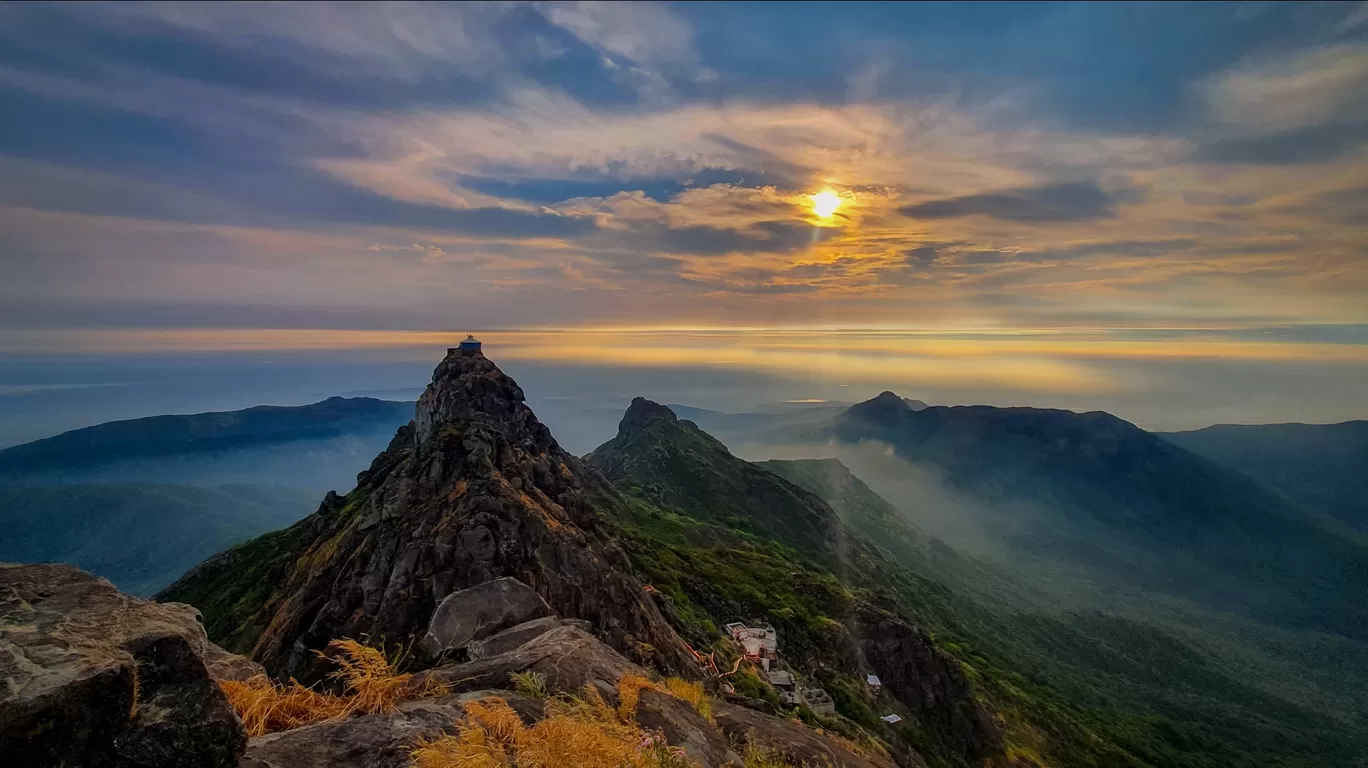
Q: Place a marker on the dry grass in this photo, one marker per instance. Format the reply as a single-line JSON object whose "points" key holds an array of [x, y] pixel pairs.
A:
{"points": [[691, 692], [585, 729], [629, 689], [368, 679]]}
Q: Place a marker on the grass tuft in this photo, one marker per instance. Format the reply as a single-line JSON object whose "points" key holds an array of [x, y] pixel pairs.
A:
{"points": [[370, 686], [530, 684], [691, 692]]}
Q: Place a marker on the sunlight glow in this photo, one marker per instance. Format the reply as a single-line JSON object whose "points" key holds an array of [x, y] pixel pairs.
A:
{"points": [[825, 203]]}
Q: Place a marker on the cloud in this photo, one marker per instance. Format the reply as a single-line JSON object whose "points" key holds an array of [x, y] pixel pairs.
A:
{"points": [[1315, 144], [579, 162], [645, 33], [1302, 107], [1059, 202], [403, 40]]}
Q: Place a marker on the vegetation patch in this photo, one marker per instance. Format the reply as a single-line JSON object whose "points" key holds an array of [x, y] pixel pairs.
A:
{"points": [[586, 726], [370, 685]]}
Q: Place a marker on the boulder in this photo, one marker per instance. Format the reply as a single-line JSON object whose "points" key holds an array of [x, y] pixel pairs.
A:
{"points": [[513, 637], [796, 742], [95, 678], [567, 656], [477, 612]]}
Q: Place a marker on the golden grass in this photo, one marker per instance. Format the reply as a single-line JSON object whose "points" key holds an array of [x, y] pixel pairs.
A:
{"points": [[584, 731], [370, 686], [691, 692], [629, 689]]}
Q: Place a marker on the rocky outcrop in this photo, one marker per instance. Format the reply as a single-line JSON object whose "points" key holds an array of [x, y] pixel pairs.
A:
{"points": [[475, 489], [95, 678], [480, 611], [928, 682], [798, 744], [567, 657]]}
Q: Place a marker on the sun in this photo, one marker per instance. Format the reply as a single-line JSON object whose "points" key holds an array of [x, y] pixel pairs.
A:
{"points": [[825, 203]]}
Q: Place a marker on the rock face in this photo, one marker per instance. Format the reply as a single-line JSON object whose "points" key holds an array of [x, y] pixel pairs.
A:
{"points": [[369, 741], [479, 611], [473, 490], [683, 727], [92, 677], [928, 682]]}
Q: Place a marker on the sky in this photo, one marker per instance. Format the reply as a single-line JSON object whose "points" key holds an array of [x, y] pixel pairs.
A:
{"points": [[1160, 209]]}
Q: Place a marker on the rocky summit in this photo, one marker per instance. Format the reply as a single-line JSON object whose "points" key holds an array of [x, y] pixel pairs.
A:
{"points": [[474, 489]]}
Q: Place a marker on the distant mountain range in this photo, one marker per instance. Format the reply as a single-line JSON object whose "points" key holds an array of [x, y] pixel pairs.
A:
{"points": [[141, 501], [1098, 492], [1323, 467], [320, 446]]}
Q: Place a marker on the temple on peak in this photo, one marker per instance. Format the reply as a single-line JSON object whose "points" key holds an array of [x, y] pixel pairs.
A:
{"points": [[470, 346]]}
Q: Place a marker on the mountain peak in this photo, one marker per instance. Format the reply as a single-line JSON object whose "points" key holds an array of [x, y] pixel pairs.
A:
{"points": [[643, 412], [470, 392], [678, 466], [885, 405], [475, 489]]}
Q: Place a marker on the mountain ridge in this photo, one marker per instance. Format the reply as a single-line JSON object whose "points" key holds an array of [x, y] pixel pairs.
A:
{"points": [[1097, 476], [474, 488], [1323, 467]]}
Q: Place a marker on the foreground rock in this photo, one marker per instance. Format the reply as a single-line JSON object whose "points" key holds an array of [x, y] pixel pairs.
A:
{"points": [[797, 743], [474, 489], [516, 637], [683, 727], [223, 665], [374, 741], [95, 678]]}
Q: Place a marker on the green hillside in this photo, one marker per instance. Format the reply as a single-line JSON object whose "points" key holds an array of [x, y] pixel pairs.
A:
{"points": [[1071, 689]]}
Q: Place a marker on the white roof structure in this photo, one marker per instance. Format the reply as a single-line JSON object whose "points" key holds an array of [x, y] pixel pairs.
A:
{"points": [[873, 680], [891, 719]]}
